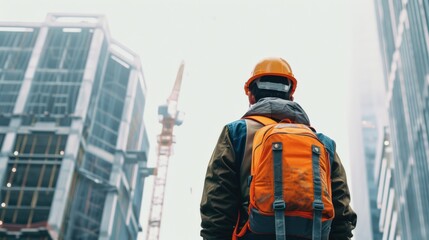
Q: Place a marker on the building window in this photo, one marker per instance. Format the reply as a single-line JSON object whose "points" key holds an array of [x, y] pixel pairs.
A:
{"points": [[97, 166], [108, 115], [422, 170], [136, 123], [58, 77], [1, 140], [15, 53], [87, 211], [30, 179], [39, 143], [411, 199]]}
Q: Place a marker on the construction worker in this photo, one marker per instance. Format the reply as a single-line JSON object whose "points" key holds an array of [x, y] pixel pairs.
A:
{"points": [[225, 196]]}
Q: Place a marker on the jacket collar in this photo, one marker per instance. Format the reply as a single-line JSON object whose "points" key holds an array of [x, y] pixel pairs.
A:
{"points": [[279, 109]]}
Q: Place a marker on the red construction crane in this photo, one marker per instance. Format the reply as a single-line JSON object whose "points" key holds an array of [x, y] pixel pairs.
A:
{"points": [[169, 116]]}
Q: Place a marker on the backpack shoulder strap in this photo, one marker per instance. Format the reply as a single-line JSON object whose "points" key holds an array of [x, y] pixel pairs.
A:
{"points": [[329, 145], [261, 119]]}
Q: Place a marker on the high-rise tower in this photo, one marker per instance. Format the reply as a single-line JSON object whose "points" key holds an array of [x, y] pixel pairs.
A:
{"points": [[402, 168], [72, 137]]}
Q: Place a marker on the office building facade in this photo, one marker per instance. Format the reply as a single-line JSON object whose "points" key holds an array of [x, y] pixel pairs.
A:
{"points": [[402, 163], [73, 143]]}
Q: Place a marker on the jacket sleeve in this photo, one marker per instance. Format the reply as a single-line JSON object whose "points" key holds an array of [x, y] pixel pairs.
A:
{"points": [[221, 193], [345, 218]]}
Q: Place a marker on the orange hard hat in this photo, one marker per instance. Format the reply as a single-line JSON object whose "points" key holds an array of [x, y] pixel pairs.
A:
{"points": [[272, 67]]}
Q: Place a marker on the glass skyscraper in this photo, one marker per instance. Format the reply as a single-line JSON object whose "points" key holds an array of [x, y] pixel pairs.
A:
{"points": [[73, 143], [402, 161]]}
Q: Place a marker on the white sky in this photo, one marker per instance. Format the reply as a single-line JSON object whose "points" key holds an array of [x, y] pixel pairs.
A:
{"points": [[220, 42]]}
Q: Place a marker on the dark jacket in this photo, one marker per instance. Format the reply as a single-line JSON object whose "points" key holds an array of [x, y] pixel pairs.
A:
{"points": [[225, 191]]}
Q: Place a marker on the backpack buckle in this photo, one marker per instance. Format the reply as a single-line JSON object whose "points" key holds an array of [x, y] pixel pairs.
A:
{"points": [[316, 149], [279, 205], [318, 205]]}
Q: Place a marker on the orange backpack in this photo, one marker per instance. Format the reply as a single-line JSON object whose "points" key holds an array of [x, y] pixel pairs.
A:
{"points": [[290, 183]]}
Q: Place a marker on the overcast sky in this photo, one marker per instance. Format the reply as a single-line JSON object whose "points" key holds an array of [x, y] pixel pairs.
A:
{"points": [[220, 42]]}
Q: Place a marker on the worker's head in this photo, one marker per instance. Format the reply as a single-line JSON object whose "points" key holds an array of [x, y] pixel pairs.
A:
{"points": [[271, 77]]}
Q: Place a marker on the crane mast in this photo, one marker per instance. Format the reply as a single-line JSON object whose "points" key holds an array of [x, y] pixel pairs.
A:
{"points": [[169, 116]]}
